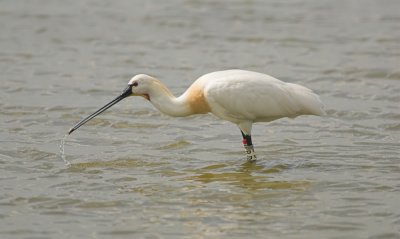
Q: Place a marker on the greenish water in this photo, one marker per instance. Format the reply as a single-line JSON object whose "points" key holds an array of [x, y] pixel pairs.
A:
{"points": [[135, 173]]}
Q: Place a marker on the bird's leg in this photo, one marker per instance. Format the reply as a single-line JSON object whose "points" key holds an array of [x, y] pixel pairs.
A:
{"points": [[248, 145]]}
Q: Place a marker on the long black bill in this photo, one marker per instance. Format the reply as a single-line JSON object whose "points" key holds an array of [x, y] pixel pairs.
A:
{"points": [[127, 92]]}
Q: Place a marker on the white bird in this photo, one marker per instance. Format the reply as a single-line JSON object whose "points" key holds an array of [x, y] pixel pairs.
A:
{"points": [[239, 96]]}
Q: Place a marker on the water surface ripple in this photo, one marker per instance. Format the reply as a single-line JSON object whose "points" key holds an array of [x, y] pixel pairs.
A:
{"points": [[135, 173]]}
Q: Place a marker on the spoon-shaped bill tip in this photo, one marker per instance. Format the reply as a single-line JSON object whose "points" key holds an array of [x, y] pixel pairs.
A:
{"points": [[71, 130]]}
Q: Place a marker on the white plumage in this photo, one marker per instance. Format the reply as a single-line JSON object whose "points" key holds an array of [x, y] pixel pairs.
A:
{"points": [[245, 97]]}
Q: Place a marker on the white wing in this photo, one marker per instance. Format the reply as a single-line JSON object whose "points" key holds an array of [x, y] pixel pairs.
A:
{"points": [[238, 95]]}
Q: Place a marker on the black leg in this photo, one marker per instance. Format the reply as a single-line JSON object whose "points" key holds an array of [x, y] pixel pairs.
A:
{"points": [[248, 145]]}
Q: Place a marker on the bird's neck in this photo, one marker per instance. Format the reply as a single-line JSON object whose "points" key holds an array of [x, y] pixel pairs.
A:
{"points": [[167, 103]]}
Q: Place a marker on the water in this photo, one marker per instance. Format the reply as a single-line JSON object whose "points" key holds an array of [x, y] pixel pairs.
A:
{"points": [[135, 173], [62, 150]]}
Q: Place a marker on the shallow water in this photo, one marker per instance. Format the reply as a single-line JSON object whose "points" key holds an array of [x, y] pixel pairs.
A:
{"points": [[136, 173]]}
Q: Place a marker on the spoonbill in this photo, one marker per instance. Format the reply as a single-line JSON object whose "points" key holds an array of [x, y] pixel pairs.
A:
{"points": [[239, 96]]}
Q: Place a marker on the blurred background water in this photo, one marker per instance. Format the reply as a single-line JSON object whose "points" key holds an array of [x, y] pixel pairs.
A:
{"points": [[136, 173]]}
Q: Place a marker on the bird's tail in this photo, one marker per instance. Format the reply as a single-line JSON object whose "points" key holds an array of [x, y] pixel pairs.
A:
{"points": [[308, 101]]}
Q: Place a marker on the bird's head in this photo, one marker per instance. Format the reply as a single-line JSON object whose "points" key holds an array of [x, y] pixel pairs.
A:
{"points": [[139, 85]]}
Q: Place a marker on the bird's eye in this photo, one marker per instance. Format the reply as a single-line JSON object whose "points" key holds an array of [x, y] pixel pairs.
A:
{"points": [[135, 84]]}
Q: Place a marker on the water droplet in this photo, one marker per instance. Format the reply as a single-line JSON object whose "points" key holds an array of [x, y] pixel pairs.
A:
{"points": [[62, 150]]}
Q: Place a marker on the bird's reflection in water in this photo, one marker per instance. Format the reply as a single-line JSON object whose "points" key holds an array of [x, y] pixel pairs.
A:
{"points": [[249, 175]]}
